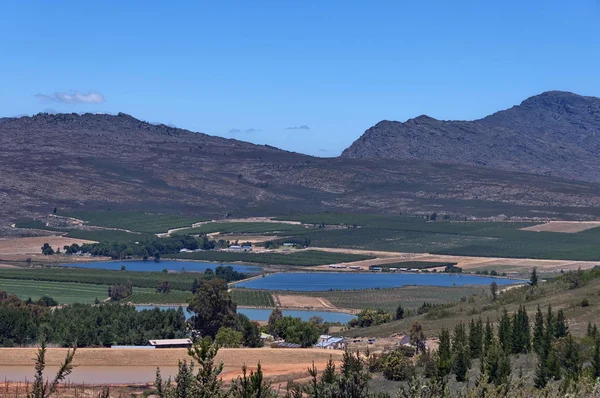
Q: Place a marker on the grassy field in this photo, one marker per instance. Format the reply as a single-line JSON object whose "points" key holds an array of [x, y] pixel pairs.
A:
{"points": [[301, 258], [256, 298], [134, 221], [560, 293], [178, 281], [63, 292], [245, 228], [410, 297], [414, 234]]}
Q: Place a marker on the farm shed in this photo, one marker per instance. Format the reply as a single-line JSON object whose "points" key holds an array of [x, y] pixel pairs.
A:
{"points": [[283, 344], [171, 343]]}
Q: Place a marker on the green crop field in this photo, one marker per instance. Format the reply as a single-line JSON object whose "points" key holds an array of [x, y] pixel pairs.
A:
{"points": [[300, 258], [255, 298], [63, 292], [245, 228], [107, 235], [134, 221], [178, 281], [150, 296], [414, 234], [410, 297]]}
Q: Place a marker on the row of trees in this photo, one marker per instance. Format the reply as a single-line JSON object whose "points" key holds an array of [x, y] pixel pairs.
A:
{"points": [[23, 322]]}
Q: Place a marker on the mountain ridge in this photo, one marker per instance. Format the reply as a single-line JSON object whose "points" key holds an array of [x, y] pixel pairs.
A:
{"points": [[555, 133], [99, 161]]}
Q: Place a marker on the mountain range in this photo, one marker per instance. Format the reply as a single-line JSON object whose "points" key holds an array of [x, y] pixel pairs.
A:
{"points": [[538, 159], [555, 133]]}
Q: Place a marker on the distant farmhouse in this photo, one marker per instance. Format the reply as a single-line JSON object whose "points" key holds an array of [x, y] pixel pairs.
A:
{"points": [[331, 343]]}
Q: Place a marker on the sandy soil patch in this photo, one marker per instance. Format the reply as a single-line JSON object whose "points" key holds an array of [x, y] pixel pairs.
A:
{"points": [[569, 227], [19, 246], [233, 358], [303, 302]]}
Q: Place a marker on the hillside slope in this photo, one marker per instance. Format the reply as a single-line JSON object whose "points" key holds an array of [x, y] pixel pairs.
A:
{"points": [[554, 133], [99, 161]]}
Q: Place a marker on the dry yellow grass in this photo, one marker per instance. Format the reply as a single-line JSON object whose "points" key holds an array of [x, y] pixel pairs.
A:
{"points": [[33, 245], [232, 357], [569, 227]]}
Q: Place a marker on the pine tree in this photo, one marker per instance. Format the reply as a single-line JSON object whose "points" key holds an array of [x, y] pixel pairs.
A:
{"points": [[533, 280], [494, 290], [488, 337], [554, 368], [596, 360], [496, 364], [444, 353], [521, 336], [550, 322], [461, 353], [505, 332], [589, 329], [561, 329], [538, 331], [328, 376], [399, 312], [571, 360], [476, 338]]}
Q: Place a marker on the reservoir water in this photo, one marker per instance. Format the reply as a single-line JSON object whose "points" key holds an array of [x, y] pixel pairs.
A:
{"points": [[323, 281], [157, 266], [260, 314]]}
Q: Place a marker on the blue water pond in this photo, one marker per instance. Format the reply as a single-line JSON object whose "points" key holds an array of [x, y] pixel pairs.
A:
{"points": [[323, 281]]}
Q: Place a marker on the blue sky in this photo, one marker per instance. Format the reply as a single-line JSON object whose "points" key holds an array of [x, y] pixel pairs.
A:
{"points": [[258, 70]]}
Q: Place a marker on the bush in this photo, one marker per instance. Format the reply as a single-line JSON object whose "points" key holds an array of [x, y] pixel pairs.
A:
{"points": [[585, 302], [407, 350], [396, 366]]}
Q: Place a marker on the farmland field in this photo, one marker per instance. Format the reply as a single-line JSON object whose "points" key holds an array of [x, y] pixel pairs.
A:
{"points": [[178, 281], [300, 258], [134, 221], [150, 296], [63, 292], [107, 235], [245, 228], [255, 298], [414, 234], [410, 297]]}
